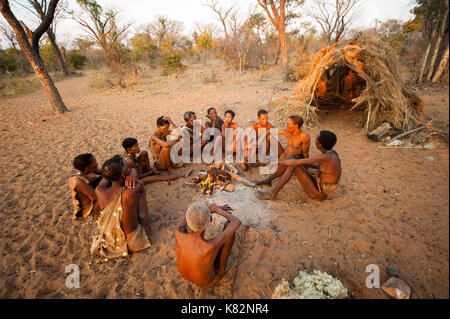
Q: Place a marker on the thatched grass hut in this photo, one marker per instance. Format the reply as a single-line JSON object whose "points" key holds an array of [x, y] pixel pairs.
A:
{"points": [[360, 75]]}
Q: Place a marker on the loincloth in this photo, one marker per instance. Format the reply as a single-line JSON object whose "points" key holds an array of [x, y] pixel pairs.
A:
{"points": [[112, 242], [328, 189]]}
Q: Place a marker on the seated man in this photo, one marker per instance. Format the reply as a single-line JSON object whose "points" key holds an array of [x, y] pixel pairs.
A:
{"points": [[214, 121], [298, 146], [190, 117], [123, 213], [259, 126], [82, 186], [201, 261], [135, 158], [159, 145], [323, 182], [228, 123]]}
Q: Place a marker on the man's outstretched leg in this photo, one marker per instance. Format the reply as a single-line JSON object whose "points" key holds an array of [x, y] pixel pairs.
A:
{"points": [[288, 171], [268, 181]]}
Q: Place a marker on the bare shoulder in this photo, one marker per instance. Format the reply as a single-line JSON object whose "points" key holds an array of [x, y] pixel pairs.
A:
{"points": [[305, 136], [76, 181]]}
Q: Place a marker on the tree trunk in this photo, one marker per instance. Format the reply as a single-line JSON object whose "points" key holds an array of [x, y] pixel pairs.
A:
{"points": [[437, 45], [424, 65], [31, 50], [47, 82], [278, 54], [284, 55], [444, 62], [52, 38]]}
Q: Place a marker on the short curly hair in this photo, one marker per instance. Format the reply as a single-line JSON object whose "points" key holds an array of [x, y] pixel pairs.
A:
{"points": [[80, 162], [327, 139], [113, 168], [197, 216]]}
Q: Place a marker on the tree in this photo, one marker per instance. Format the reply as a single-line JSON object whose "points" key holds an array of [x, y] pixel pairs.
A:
{"points": [[142, 45], [221, 13], [39, 9], [166, 32], [433, 14], [101, 26], [29, 43], [203, 37], [334, 19], [241, 30], [278, 11]]}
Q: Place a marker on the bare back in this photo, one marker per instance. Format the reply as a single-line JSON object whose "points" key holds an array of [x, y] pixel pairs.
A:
{"points": [[195, 257], [330, 167]]}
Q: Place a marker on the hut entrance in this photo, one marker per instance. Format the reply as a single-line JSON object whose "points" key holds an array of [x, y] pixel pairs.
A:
{"points": [[338, 86]]}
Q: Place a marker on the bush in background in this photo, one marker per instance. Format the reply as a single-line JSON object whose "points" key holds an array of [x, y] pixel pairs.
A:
{"points": [[77, 60]]}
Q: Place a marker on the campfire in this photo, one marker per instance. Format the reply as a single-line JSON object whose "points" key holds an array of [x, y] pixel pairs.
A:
{"points": [[218, 176]]}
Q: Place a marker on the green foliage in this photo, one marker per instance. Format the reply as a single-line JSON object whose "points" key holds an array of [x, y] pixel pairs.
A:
{"points": [[14, 61], [204, 40], [77, 60], [143, 46], [172, 63], [7, 61], [49, 57]]}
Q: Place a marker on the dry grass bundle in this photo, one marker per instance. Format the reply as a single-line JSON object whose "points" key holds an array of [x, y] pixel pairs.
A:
{"points": [[360, 75]]}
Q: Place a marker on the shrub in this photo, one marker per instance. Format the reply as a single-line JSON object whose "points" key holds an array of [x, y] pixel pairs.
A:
{"points": [[77, 60], [172, 63]]}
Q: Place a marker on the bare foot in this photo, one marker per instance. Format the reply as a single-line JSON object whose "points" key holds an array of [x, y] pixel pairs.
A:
{"points": [[264, 182], [265, 196]]}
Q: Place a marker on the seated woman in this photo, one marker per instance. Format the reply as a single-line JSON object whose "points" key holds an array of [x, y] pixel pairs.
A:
{"points": [[136, 158], [82, 186], [142, 163], [123, 215], [159, 145]]}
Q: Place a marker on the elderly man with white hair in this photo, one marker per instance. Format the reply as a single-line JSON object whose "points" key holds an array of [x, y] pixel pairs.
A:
{"points": [[202, 261]]}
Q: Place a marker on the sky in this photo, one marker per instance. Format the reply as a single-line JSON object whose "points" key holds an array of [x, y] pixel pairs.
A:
{"points": [[192, 11]]}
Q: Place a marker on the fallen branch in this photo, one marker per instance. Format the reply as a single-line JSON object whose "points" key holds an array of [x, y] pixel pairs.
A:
{"points": [[409, 132]]}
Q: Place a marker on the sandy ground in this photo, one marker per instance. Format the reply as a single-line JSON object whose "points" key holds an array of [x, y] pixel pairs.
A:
{"points": [[391, 207]]}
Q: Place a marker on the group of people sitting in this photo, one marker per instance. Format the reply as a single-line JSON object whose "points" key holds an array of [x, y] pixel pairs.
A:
{"points": [[115, 196]]}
